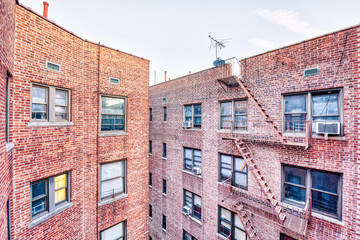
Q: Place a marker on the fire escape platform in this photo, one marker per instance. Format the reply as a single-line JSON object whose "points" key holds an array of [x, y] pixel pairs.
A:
{"points": [[229, 81]]}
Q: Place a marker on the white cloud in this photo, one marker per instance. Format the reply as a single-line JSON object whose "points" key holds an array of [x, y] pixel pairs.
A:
{"points": [[290, 20], [261, 42]]}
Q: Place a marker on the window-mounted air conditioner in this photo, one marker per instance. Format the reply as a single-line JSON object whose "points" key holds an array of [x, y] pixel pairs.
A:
{"points": [[187, 124], [197, 170], [187, 210], [327, 127]]}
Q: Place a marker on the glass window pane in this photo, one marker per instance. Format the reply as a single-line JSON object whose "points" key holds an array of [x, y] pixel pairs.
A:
{"points": [[60, 181], [112, 122], [60, 98], [60, 109], [197, 110], [324, 202], [295, 175], [39, 115], [38, 107], [226, 108], [295, 104], [111, 187], [238, 223], [38, 205], [60, 195], [326, 104], [112, 170], [188, 111], [240, 179], [188, 153], [226, 122], [239, 235], [197, 200], [197, 120], [325, 181], [240, 107], [225, 214], [39, 94], [39, 189], [294, 193], [112, 105], [114, 233], [239, 164], [241, 122]]}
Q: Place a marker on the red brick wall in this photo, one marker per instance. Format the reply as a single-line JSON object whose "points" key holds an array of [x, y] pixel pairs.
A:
{"points": [[268, 78], [7, 40], [45, 151]]}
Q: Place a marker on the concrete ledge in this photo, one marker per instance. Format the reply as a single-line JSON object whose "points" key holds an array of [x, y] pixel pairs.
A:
{"points": [[112, 134], [326, 218], [9, 146], [50, 124], [37, 220], [114, 199], [191, 173]]}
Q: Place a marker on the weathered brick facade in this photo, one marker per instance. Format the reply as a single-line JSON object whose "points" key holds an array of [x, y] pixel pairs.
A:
{"points": [[268, 76], [7, 40], [77, 146]]}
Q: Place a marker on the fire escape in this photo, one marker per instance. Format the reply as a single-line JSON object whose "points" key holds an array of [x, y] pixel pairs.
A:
{"points": [[262, 129]]}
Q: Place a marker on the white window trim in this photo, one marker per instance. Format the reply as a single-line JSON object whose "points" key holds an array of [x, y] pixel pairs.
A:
{"points": [[115, 132]]}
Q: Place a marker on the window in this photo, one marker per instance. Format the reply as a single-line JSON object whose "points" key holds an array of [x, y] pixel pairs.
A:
{"points": [[113, 179], [7, 109], [150, 210], [117, 232], [233, 115], [150, 179], [50, 193], [112, 113], [285, 237], [192, 114], [235, 168], [192, 158], [164, 150], [193, 201], [114, 80], [230, 223], [323, 106], [49, 104], [324, 188], [53, 66], [8, 219], [164, 222], [165, 114], [150, 147], [151, 115], [164, 187], [187, 236]]}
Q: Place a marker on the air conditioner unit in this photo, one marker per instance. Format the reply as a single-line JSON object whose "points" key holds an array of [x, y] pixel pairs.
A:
{"points": [[327, 127], [187, 124], [187, 210], [197, 170]]}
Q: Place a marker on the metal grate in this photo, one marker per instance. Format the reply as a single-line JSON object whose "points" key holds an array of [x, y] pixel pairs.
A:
{"points": [[114, 80], [53, 66], [311, 71]]}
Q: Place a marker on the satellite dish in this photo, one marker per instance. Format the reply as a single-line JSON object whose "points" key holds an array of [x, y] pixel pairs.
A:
{"points": [[218, 62]]}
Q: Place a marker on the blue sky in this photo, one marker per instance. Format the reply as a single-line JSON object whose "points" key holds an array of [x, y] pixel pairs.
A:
{"points": [[173, 35]]}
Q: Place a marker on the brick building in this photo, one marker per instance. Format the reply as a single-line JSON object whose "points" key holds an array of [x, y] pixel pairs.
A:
{"points": [[270, 142], [78, 131]]}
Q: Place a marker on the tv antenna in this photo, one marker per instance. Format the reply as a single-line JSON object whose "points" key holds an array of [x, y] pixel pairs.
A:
{"points": [[218, 44]]}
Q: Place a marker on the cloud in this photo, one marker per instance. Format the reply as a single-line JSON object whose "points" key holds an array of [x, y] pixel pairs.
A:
{"points": [[261, 42], [290, 20]]}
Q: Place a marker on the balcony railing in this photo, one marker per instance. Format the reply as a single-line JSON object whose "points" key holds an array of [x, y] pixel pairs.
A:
{"points": [[294, 132]]}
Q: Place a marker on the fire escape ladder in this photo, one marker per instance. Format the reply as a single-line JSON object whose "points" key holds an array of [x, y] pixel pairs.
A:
{"points": [[260, 108], [246, 221], [249, 159]]}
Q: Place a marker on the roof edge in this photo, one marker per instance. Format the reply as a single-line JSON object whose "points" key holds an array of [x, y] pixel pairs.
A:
{"points": [[70, 32]]}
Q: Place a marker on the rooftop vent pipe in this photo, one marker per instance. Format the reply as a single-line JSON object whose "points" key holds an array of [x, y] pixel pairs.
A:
{"points": [[46, 6]]}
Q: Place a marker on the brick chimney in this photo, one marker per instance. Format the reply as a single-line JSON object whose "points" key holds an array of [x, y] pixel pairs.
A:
{"points": [[46, 6]]}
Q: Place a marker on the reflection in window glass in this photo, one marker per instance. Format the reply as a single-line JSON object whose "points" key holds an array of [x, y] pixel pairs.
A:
{"points": [[112, 114]]}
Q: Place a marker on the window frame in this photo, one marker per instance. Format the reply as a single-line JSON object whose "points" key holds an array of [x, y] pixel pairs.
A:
{"points": [[51, 206], [233, 115], [164, 113], [164, 189], [191, 236], [150, 114], [192, 158], [309, 189], [193, 114], [51, 102], [163, 225], [102, 199], [150, 179], [309, 107], [125, 113], [231, 223], [233, 158], [150, 210], [46, 66], [7, 108], [164, 152], [192, 203], [124, 226], [150, 147]]}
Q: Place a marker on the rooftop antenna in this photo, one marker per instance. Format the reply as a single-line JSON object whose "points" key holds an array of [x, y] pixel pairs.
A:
{"points": [[218, 44]]}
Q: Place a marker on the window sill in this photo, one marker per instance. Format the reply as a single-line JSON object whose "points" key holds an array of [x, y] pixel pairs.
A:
{"points": [[221, 236], [150, 218], [150, 154], [9, 146], [164, 158], [191, 173], [233, 131], [164, 194], [326, 218], [114, 199], [37, 220], [192, 129], [330, 137], [112, 134], [194, 219], [150, 186], [164, 230], [49, 124]]}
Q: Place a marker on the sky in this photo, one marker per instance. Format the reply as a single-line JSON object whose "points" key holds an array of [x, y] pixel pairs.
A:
{"points": [[173, 34]]}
